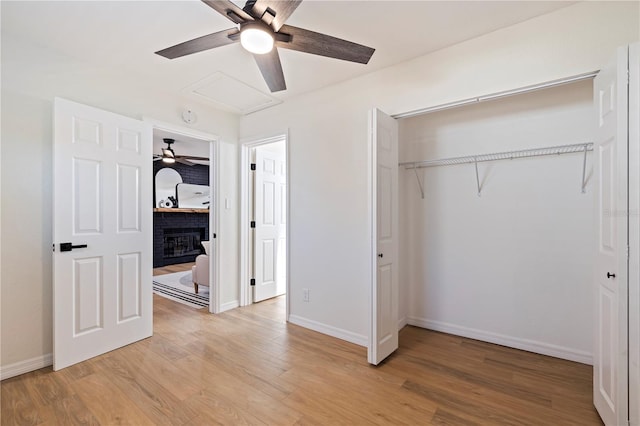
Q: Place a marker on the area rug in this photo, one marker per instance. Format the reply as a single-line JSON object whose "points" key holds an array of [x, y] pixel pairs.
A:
{"points": [[179, 287]]}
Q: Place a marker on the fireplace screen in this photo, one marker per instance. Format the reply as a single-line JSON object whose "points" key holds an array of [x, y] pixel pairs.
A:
{"points": [[182, 242]]}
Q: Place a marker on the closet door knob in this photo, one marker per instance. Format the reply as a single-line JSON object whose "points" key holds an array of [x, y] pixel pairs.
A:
{"points": [[380, 255], [610, 275]]}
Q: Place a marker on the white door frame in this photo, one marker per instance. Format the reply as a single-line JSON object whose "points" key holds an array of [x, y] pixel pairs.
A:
{"points": [[245, 219], [214, 190], [634, 234]]}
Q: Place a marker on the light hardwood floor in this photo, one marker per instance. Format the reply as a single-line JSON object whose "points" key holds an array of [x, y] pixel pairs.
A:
{"points": [[170, 269], [247, 366]]}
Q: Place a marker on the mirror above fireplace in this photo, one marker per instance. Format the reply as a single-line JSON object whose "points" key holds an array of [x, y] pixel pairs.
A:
{"points": [[166, 181]]}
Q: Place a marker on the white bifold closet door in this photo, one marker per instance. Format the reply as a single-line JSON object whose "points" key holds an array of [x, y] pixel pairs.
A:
{"points": [[383, 334], [610, 375], [102, 289]]}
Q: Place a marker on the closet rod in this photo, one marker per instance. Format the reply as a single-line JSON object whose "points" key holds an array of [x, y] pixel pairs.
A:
{"points": [[507, 155], [497, 95]]}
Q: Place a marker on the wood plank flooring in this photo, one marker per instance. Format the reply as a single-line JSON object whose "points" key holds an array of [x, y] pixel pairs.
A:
{"points": [[170, 269], [247, 366]]}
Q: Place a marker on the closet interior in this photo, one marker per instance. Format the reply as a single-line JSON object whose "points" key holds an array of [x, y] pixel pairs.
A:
{"points": [[496, 221]]}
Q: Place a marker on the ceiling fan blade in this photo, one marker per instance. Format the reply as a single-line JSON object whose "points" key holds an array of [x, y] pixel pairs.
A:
{"points": [[221, 38], [230, 10], [191, 157], [185, 162], [271, 70], [282, 9], [324, 45]]}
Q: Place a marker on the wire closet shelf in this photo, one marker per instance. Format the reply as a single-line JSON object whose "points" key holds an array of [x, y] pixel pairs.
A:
{"points": [[506, 155]]}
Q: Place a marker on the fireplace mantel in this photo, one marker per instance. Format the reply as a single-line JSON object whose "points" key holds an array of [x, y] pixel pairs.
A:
{"points": [[178, 210]]}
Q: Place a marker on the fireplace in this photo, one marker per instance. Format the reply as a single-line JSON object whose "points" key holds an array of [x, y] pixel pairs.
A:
{"points": [[181, 243], [177, 236]]}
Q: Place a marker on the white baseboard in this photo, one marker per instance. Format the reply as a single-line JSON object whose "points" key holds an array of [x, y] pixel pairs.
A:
{"points": [[402, 322], [26, 366], [510, 341], [349, 336], [229, 305]]}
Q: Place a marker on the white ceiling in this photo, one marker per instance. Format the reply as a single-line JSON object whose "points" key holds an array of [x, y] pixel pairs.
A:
{"points": [[123, 35]]}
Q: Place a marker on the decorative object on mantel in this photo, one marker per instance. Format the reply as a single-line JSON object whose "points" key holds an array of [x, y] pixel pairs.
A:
{"points": [[166, 181], [192, 196]]}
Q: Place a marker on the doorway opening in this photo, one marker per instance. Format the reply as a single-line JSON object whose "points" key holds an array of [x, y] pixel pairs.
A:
{"points": [[264, 228], [185, 264]]}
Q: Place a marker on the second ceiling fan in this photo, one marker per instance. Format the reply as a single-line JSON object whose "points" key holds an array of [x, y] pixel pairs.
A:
{"points": [[169, 156], [262, 30]]}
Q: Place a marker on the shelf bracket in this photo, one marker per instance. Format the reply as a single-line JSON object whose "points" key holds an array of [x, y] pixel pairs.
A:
{"points": [[415, 170], [584, 169], [477, 176]]}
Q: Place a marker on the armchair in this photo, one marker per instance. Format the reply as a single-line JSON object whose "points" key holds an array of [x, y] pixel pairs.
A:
{"points": [[200, 272]]}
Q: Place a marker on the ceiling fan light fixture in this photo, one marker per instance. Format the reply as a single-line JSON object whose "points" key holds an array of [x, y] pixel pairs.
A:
{"points": [[168, 156], [256, 37]]}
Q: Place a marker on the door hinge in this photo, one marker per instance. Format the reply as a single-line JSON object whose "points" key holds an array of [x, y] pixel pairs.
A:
{"points": [[253, 166], [253, 223], [252, 282], [214, 235]]}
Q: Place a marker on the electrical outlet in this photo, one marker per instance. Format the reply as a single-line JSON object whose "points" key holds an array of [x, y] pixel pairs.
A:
{"points": [[305, 294]]}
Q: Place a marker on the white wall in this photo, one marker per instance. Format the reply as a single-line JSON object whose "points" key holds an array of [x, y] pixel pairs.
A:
{"points": [[31, 78], [328, 139], [512, 266], [229, 233]]}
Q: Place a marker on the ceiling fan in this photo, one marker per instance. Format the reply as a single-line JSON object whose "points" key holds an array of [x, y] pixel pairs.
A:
{"points": [[262, 30], [169, 156]]}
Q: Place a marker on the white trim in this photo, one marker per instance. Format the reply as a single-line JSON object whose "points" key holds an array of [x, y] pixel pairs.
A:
{"points": [[229, 305], [183, 130], [214, 191], [504, 340], [26, 366], [634, 234], [402, 322], [244, 221], [214, 227], [245, 156], [497, 95], [339, 333], [371, 225]]}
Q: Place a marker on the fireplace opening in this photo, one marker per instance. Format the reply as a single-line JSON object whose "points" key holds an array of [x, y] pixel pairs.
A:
{"points": [[180, 242]]}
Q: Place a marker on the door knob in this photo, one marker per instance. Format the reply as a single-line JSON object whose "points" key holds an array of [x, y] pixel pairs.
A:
{"points": [[69, 246], [610, 275], [380, 255]]}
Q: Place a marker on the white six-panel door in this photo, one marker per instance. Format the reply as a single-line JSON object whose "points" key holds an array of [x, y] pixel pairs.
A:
{"points": [[610, 378], [383, 335], [270, 217], [102, 199]]}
